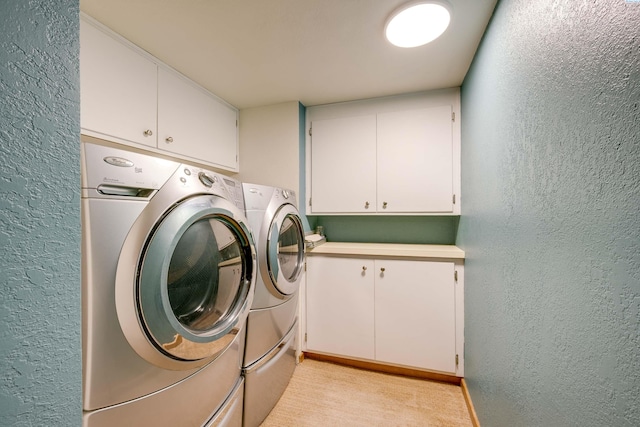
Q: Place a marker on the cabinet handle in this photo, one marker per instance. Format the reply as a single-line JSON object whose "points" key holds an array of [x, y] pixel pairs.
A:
{"points": [[384, 205], [169, 139], [147, 132], [366, 205]]}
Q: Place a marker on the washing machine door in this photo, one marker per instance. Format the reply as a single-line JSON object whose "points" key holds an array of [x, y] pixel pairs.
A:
{"points": [[193, 284], [285, 251]]}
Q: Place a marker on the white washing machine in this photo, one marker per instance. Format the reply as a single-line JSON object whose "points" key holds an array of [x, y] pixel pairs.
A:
{"points": [[168, 278], [270, 357]]}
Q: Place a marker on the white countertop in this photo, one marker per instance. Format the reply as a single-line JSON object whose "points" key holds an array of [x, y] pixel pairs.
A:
{"points": [[388, 249]]}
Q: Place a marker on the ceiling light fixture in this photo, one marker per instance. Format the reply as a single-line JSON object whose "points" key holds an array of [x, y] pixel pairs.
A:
{"points": [[417, 23]]}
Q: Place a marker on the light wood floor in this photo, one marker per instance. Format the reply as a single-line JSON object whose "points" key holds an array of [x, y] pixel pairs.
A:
{"points": [[325, 394]]}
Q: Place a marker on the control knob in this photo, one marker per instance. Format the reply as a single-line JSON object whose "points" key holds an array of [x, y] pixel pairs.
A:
{"points": [[206, 179]]}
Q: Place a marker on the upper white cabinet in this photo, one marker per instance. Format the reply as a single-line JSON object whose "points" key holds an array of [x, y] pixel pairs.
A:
{"points": [[119, 88], [415, 160], [398, 155], [130, 97], [343, 172], [192, 122]]}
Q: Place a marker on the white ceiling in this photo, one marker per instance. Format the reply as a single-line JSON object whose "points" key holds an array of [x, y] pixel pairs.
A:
{"points": [[261, 52]]}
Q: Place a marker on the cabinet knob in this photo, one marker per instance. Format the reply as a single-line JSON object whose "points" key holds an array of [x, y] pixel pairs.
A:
{"points": [[147, 132], [364, 268], [169, 139], [384, 205], [381, 269], [366, 205]]}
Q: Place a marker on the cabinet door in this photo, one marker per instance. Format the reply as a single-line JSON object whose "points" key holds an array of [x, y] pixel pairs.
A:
{"points": [[415, 314], [193, 123], [343, 165], [118, 88], [340, 306], [415, 160]]}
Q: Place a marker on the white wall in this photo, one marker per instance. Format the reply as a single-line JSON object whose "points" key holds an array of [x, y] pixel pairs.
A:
{"points": [[269, 145]]}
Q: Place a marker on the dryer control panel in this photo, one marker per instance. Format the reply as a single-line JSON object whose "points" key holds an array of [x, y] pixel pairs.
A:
{"points": [[114, 169], [216, 183]]}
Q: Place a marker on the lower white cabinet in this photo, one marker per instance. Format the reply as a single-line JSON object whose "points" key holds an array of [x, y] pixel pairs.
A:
{"points": [[393, 311], [340, 306]]}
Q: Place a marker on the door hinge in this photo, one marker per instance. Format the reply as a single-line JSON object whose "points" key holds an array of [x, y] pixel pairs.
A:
{"points": [[453, 116], [456, 360], [310, 130], [310, 201], [305, 338], [454, 199], [455, 275], [236, 123]]}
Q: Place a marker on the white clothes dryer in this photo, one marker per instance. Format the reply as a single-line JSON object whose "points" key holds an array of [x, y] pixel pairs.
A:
{"points": [[270, 349], [168, 278]]}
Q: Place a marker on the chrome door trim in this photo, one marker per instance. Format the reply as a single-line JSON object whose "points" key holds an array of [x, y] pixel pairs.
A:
{"points": [[173, 193], [276, 282], [154, 306]]}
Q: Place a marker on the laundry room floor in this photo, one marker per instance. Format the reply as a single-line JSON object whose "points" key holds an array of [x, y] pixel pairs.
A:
{"points": [[322, 393]]}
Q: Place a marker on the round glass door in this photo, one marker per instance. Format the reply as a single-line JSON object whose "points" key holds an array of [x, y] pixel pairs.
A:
{"points": [[201, 282], [195, 279], [285, 256]]}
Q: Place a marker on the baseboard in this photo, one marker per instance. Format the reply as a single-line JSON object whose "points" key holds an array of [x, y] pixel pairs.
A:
{"points": [[389, 369], [467, 399]]}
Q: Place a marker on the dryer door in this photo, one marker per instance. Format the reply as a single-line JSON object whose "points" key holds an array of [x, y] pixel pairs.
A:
{"points": [[285, 251], [193, 284]]}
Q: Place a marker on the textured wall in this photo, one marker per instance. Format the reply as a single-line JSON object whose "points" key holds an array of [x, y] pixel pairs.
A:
{"points": [[551, 223], [40, 361]]}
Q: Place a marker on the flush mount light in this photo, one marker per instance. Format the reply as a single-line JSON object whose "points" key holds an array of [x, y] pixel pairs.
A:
{"points": [[417, 23]]}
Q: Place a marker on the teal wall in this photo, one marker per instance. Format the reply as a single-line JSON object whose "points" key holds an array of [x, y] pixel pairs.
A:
{"points": [[435, 230], [40, 324], [550, 221], [302, 194]]}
